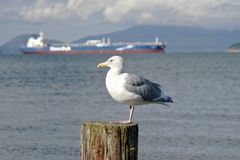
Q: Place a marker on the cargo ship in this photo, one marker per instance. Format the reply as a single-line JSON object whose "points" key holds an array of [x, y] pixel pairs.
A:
{"points": [[36, 45]]}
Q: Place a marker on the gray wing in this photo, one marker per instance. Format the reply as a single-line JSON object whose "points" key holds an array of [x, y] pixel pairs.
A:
{"points": [[148, 90]]}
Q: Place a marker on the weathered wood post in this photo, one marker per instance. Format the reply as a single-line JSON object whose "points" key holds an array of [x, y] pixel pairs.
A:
{"points": [[109, 141]]}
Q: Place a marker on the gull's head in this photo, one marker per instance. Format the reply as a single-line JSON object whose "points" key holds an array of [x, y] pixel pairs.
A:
{"points": [[115, 62]]}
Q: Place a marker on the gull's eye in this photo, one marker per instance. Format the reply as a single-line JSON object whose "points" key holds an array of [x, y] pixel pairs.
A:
{"points": [[111, 60]]}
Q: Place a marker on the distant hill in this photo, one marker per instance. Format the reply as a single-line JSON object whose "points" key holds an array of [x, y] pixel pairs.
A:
{"points": [[178, 38], [234, 48], [14, 44]]}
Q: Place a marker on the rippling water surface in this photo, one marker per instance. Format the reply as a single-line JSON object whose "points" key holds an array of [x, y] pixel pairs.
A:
{"points": [[44, 99]]}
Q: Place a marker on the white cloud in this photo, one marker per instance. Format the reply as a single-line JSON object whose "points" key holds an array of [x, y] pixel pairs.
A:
{"points": [[184, 12], [44, 10], [85, 8], [119, 10]]}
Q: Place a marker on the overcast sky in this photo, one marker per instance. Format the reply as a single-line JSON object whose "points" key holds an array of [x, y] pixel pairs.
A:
{"points": [[68, 20]]}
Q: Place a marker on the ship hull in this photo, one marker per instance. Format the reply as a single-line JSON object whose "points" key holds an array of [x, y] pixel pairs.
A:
{"points": [[140, 51]]}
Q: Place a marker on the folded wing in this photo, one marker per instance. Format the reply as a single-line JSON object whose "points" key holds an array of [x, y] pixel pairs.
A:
{"points": [[148, 90]]}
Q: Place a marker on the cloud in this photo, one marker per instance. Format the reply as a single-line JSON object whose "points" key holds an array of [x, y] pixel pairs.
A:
{"points": [[42, 10], [119, 10], [84, 9], [183, 12]]}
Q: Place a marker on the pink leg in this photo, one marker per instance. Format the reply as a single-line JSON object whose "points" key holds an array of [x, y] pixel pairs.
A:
{"points": [[131, 109]]}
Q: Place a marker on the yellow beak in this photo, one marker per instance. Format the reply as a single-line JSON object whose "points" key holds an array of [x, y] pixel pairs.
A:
{"points": [[101, 65]]}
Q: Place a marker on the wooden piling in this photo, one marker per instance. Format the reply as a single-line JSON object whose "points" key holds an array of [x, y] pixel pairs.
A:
{"points": [[109, 141]]}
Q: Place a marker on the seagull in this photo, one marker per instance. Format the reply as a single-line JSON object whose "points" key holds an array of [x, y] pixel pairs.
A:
{"points": [[131, 89]]}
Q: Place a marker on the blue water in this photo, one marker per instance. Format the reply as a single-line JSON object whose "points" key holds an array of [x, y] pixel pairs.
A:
{"points": [[44, 99]]}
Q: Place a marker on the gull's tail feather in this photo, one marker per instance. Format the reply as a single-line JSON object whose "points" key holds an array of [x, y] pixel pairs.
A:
{"points": [[165, 99]]}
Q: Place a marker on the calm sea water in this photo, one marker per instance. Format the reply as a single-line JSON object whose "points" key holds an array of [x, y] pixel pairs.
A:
{"points": [[44, 99]]}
